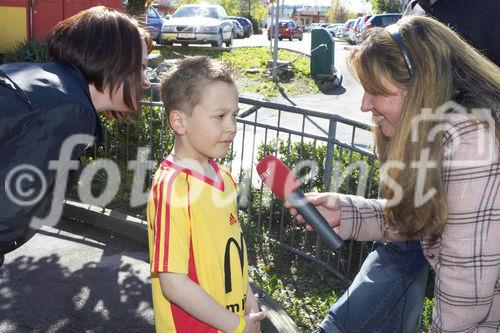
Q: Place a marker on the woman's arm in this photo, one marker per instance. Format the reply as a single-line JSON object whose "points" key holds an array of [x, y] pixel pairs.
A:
{"points": [[468, 265], [352, 217]]}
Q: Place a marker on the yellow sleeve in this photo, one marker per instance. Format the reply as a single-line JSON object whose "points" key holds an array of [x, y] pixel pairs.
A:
{"points": [[168, 218]]}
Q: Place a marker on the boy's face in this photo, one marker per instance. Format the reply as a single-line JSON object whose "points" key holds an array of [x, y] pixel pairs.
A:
{"points": [[211, 128]]}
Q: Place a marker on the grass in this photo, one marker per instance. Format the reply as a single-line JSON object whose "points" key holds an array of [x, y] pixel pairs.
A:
{"points": [[259, 80]]}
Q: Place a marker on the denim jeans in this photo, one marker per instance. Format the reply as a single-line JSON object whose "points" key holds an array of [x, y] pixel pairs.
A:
{"points": [[386, 295]]}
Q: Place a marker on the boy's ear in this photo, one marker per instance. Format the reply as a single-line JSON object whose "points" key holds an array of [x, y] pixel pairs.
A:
{"points": [[176, 119]]}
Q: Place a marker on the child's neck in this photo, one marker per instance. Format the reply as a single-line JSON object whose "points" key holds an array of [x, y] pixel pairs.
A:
{"points": [[199, 164]]}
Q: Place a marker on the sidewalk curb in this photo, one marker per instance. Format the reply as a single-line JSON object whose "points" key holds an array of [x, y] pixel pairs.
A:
{"points": [[122, 224]]}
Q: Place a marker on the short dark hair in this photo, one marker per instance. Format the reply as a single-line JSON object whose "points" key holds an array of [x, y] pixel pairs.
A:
{"points": [[105, 45], [182, 86]]}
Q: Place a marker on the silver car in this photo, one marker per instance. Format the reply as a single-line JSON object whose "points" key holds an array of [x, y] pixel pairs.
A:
{"points": [[198, 24]]}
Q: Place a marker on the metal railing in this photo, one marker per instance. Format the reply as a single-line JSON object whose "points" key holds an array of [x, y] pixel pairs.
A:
{"points": [[293, 134]]}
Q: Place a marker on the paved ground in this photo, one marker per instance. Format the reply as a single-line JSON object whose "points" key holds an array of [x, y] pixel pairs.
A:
{"points": [[74, 278]]}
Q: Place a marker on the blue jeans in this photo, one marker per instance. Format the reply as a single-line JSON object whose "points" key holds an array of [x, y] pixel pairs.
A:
{"points": [[386, 295]]}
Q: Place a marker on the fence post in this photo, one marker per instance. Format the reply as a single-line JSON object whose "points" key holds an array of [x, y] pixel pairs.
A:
{"points": [[330, 146]]}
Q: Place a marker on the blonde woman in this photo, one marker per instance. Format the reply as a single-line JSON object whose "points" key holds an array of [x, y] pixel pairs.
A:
{"points": [[435, 102]]}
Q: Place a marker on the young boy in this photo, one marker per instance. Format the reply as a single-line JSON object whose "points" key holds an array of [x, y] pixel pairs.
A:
{"points": [[199, 267]]}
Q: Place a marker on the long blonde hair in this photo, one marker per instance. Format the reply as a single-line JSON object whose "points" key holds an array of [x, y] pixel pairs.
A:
{"points": [[445, 68]]}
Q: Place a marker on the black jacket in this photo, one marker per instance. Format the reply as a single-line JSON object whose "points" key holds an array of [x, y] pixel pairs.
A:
{"points": [[41, 105], [478, 21]]}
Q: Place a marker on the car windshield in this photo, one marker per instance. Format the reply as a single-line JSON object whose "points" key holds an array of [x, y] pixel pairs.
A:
{"points": [[193, 11], [283, 24]]}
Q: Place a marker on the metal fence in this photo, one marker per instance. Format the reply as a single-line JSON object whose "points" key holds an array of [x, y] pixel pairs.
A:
{"points": [[294, 134], [335, 144]]}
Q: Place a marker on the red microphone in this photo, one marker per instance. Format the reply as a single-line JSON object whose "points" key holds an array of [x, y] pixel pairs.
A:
{"points": [[282, 182]]}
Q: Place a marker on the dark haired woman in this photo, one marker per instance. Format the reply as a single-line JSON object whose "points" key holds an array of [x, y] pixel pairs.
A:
{"points": [[98, 57]]}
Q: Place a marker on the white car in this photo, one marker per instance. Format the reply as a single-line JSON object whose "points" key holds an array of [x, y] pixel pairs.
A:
{"points": [[334, 29], [198, 24]]}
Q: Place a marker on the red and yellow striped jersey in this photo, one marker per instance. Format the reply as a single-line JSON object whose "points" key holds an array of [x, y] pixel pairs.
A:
{"points": [[193, 229]]}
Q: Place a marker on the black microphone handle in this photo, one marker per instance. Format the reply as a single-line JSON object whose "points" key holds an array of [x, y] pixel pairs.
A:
{"points": [[313, 217]]}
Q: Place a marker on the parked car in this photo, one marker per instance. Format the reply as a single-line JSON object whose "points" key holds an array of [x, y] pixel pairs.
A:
{"points": [[154, 22], [238, 31], [382, 20], [348, 28], [312, 26], [245, 23], [198, 24], [354, 30], [334, 29], [287, 29], [360, 27]]}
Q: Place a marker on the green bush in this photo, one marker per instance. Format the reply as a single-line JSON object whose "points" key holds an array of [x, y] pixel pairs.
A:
{"points": [[26, 51], [257, 30], [121, 144], [427, 313]]}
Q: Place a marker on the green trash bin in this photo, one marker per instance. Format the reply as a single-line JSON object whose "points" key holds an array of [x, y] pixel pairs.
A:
{"points": [[323, 56]]}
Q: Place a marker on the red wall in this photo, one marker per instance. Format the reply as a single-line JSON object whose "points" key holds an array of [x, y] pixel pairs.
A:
{"points": [[47, 13]]}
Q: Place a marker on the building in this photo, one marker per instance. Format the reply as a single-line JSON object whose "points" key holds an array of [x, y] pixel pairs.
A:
{"points": [[22, 20], [303, 15]]}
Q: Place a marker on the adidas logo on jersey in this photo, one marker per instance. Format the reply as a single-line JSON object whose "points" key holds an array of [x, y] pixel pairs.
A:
{"points": [[232, 219]]}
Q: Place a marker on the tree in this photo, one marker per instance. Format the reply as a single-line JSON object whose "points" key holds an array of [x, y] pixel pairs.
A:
{"points": [[259, 11], [387, 6], [338, 13], [185, 2], [253, 8], [232, 7], [136, 7]]}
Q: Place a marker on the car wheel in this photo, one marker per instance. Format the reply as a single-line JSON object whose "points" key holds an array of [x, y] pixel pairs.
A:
{"points": [[219, 41], [290, 38], [280, 38], [301, 37], [229, 42]]}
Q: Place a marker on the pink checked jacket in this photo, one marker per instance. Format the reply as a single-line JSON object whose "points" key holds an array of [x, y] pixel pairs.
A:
{"points": [[466, 257]]}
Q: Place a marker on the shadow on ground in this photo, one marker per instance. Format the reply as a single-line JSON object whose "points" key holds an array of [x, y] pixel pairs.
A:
{"points": [[328, 88], [50, 294]]}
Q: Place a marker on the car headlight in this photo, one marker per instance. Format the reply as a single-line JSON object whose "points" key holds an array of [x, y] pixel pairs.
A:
{"points": [[208, 28], [168, 28]]}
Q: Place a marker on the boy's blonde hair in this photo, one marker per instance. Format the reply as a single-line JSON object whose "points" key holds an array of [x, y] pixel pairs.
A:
{"points": [[182, 86]]}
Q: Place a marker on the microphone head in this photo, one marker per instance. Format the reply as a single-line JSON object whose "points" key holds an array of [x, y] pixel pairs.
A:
{"points": [[277, 176]]}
